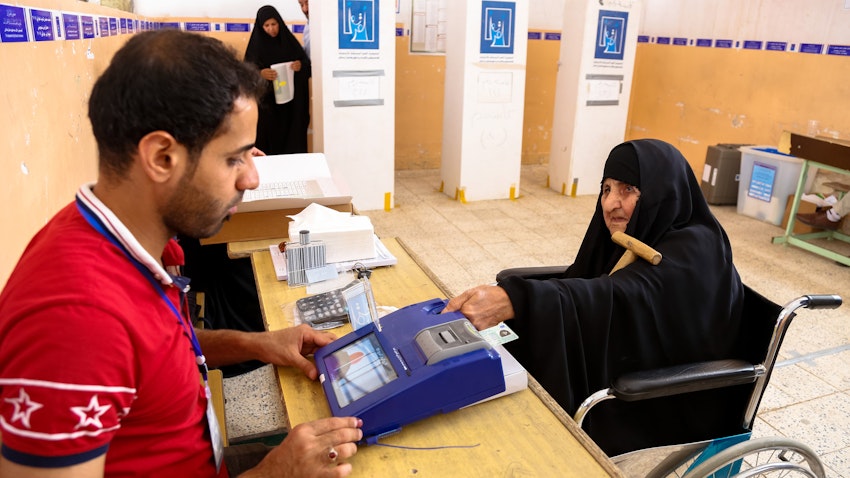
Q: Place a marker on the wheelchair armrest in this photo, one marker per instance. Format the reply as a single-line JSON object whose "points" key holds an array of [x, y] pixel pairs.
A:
{"points": [[686, 378], [538, 272]]}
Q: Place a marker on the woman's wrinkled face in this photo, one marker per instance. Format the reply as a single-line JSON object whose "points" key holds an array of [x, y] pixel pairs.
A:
{"points": [[271, 27], [618, 203]]}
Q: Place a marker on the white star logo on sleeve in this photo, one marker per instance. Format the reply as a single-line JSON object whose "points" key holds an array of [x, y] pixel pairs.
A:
{"points": [[90, 415], [23, 408]]}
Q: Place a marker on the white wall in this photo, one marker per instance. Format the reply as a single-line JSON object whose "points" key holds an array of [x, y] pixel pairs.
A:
{"points": [[690, 18], [289, 9], [813, 21], [543, 14]]}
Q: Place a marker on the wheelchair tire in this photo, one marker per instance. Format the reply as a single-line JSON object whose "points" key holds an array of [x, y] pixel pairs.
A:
{"points": [[763, 457]]}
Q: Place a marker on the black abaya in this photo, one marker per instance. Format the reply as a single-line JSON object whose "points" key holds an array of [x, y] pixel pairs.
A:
{"points": [[281, 129], [580, 330]]}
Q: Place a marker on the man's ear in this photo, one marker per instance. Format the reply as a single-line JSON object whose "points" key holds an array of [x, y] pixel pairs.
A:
{"points": [[161, 156]]}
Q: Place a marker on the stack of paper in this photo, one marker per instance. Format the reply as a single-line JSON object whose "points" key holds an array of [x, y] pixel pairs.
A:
{"points": [[347, 237]]}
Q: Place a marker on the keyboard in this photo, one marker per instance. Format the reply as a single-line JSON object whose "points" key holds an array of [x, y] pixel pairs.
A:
{"points": [[284, 189]]}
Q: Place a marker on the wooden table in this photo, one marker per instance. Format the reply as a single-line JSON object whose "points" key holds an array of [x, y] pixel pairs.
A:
{"points": [[830, 155], [523, 434]]}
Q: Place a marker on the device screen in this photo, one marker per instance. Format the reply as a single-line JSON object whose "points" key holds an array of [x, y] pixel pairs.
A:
{"points": [[358, 369]]}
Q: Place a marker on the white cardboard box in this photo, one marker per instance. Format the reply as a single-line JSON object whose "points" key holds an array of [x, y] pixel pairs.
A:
{"points": [[767, 178]]}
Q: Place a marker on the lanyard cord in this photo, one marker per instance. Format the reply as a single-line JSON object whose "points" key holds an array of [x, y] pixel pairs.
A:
{"points": [[183, 282]]}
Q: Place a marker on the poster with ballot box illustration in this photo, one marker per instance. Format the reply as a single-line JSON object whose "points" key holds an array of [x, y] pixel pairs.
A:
{"points": [[611, 35], [497, 27], [358, 24]]}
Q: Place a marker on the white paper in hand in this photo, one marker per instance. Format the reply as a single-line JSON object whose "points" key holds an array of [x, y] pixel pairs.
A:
{"points": [[284, 87]]}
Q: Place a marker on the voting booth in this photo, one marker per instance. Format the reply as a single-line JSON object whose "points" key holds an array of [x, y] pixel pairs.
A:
{"points": [[484, 99], [352, 47]]}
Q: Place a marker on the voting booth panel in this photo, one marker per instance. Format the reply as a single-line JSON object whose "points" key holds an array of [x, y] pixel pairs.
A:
{"points": [[593, 88], [484, 99], [352, 46]]}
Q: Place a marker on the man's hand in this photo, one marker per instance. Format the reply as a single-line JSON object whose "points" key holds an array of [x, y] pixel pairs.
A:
{"points": [[287, 347], [313, 449], [484, 306]]}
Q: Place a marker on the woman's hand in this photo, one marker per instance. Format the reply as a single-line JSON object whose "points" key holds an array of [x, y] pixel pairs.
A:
{"points": [[268, 74], [296, 65], [484, 306]]}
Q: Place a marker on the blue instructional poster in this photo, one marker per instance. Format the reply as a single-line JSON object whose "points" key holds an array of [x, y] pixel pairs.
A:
{"points": [[497, 27], [13, 25], [237, 27], [88, 26], [72, 26], [42, 25], [197, 26], [358, 25], [761, 182], [611, 35]]}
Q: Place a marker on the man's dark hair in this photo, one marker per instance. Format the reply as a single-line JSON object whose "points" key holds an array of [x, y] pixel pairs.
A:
{"points": [[178, 82]]}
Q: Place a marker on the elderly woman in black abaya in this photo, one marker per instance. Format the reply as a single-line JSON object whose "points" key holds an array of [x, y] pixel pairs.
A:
{"points": [[281, 128], [582, 328]]}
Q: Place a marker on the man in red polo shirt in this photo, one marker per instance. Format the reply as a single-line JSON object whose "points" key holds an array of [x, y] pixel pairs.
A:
{"points": [[99, 364]]}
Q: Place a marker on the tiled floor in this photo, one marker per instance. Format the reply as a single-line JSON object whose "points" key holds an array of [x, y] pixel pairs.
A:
{"points": [[467, 244]]}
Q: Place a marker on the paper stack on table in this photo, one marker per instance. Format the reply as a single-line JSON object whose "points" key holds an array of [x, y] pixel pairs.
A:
{"points": [[346, 236]]}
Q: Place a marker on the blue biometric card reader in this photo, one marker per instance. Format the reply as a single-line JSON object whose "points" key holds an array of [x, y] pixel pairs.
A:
{"points": [[418, 364]]}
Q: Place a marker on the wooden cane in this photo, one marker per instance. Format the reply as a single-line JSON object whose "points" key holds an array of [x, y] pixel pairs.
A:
{"points": [[634, 249]]}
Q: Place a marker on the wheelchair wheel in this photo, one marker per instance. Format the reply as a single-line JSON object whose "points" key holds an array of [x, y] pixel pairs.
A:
{"points": [[762, 457]]}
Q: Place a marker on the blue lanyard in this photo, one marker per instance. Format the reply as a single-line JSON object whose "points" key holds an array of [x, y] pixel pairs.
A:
{"points": [[182, 282]]}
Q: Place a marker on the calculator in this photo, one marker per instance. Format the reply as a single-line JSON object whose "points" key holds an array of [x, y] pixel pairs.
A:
{"points": [[328, 306]]}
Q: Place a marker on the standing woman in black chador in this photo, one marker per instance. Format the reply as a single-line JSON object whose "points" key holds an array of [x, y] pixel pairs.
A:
{"points": [[281, 129]]}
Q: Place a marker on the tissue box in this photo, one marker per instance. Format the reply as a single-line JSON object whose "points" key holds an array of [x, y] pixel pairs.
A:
{"points": [[347, 237]]}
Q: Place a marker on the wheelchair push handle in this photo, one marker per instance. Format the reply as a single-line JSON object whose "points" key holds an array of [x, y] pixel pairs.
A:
{"points": [[821, 301]]}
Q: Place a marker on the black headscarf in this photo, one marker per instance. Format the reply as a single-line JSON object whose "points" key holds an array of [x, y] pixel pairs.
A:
{"points": [[622, 165], [264, 50], [582, 329], [282, 128]]}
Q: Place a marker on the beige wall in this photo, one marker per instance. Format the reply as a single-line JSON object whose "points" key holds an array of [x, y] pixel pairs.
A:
{"points": [[46, 149], [46, 146], [420, 85], [692, 97], [696, 97]]}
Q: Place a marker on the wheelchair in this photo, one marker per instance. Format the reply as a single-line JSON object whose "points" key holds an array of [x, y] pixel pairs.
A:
{"points": [[729, 456]]}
